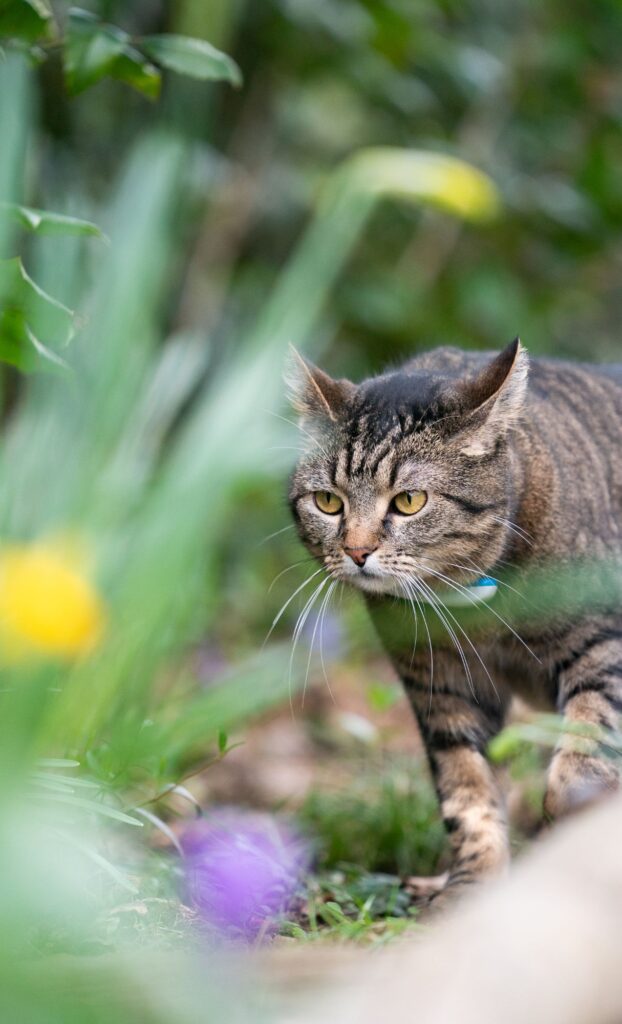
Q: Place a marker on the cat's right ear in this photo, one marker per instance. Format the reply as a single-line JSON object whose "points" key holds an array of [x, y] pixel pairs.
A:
{"points": [[312, 393]]}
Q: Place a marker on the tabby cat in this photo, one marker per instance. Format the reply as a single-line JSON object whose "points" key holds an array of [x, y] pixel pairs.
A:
{"points": [[456, 474]]}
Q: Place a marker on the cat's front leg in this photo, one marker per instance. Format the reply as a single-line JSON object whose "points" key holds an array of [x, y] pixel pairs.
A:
{"points": [[589, 687], [456, 726]]}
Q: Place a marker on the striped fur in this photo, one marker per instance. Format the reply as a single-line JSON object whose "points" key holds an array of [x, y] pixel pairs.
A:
{"points": [[523, 474]]}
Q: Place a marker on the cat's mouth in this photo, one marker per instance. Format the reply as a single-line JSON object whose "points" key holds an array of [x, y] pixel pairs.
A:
{"points": [[388, 585], [373, 580]]}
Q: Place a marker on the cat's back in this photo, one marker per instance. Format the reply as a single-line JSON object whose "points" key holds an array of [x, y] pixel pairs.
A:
{"points": [[545, 373], [560, 380], [554, 384]]}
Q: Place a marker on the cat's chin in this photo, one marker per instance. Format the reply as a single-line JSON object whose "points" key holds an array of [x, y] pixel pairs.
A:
{"points": [[384, 584]]}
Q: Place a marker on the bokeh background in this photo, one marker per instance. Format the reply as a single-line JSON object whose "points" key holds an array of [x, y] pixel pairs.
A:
{"points": [[530, 95], [151, 466]]}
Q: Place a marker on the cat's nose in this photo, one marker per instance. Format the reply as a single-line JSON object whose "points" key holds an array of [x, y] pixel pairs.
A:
{"points": [[359, 555]]}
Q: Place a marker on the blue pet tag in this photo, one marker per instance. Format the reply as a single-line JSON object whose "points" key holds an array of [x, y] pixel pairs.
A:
{"points": [[484, 589]]}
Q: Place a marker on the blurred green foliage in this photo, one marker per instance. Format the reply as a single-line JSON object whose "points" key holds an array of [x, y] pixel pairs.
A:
{"points": [[234, 222], [386, 822], [92, 49], [529, 93]]}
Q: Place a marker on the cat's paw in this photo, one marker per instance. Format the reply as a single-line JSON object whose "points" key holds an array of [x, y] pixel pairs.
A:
{"points": [[576, 780], [449, 896], [422, 890], [434, 896]]}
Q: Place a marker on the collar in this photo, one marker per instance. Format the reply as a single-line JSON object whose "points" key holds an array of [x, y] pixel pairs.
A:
{"points": [[484, 589]]}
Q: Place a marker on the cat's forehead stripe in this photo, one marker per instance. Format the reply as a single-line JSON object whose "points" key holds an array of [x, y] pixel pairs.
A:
{"points": [[382, 454], [358, 459], [367, 448], [361, 449]]}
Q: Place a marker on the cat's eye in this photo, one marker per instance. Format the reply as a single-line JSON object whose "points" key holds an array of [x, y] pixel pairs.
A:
{"points": [[409, 502], [328, 502]]}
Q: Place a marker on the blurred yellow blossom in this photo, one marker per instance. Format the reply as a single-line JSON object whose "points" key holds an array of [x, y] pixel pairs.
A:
{"points": [[48, 606], [444, 181]]}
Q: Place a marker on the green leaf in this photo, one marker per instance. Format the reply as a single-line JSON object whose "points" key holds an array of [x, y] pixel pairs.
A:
{"points": [[222, 741], [43, 222], [90, 49], [381, 696], [132, 68], [57, 762], [20, 347], [95, 807], [505, 745], [95, 49], [27, 315], [48, 317], [26, 19], [32, 54], [67, 781], [194, 57]]}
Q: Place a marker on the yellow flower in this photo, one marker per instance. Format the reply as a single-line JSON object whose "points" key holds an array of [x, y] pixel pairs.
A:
{"points": [[47, 604], [422, 177]]}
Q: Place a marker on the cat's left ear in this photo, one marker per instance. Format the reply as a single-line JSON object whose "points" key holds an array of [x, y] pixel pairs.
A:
{"points": [[312, 393], [492, 401]]}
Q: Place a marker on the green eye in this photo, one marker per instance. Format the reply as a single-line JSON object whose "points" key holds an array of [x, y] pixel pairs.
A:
{"points": [[328, 502], [409, 502]]}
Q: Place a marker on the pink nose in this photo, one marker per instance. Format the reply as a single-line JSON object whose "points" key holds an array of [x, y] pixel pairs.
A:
{"points": [[359, 555]]}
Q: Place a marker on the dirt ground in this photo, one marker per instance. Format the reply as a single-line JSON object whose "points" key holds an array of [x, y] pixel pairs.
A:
{"points": [[319, 743], [315, 744]]}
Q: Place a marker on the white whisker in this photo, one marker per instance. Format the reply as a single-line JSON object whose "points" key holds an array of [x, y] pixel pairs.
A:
{"points": [[416, 618], [289, 568], [275, 534], [279, 614], [300, 624], [482, 572], [468, 640], [464, 590], [436, 604], [323, 611], [515, 529], [405, 583], [312, 644]]}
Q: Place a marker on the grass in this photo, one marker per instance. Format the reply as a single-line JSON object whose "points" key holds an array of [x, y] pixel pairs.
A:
{"points": [[352, 906], [380, 827], [386, 820]]}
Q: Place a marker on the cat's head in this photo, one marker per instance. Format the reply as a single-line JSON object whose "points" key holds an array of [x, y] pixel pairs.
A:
{"points": [[408, 474]]}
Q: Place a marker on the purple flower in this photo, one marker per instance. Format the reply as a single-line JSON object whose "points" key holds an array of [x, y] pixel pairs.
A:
{"points": [[242, 871]]}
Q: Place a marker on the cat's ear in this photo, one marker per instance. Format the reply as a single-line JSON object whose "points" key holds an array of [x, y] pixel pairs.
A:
{"points": [[492, 401], [312, 393]]}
